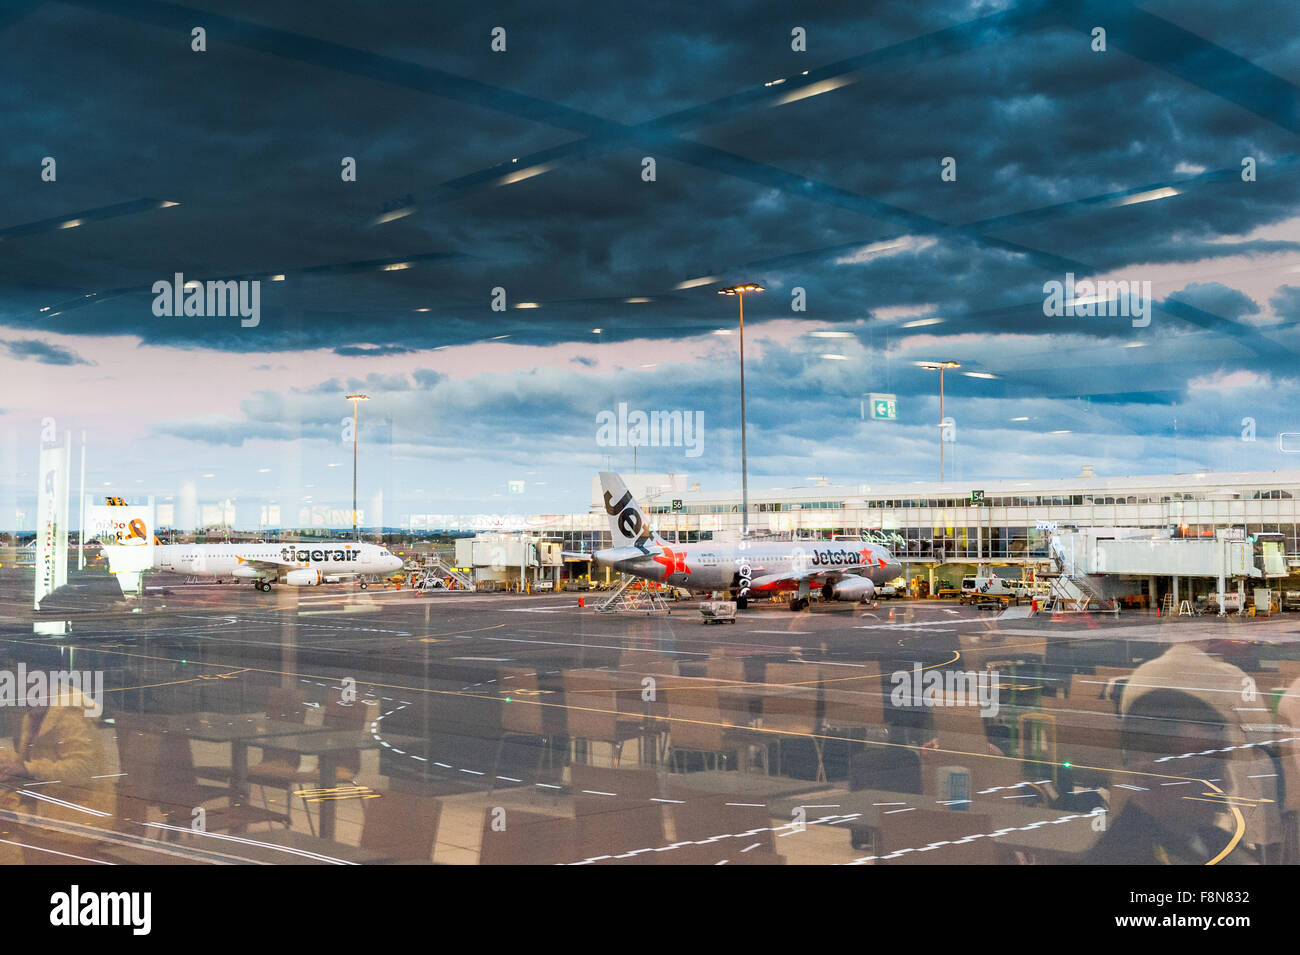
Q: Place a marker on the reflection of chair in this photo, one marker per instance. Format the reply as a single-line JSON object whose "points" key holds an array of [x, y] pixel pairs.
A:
{"points": [[347, 716], [724, 669], [640, 702], [643, 661], [592, 713], [889, 768], [1288, 714], [737, 696], [962, 733], [1086, 736], [923, 827], [516, 837], [697, 725], [616, 813], [978, 653], [521, 716], [158, 771], [794, 714], [959, 726], [854, 698], [401, 827], [278, 768]]}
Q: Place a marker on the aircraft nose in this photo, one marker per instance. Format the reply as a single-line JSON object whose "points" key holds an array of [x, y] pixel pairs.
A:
{"points": [[394, 563]]}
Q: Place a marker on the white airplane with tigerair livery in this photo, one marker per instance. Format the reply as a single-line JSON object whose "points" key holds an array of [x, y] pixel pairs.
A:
{"points": [[296, 564], [830, 570]]}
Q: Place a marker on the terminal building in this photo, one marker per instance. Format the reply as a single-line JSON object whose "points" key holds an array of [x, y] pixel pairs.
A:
{"points": [[942, 532]]}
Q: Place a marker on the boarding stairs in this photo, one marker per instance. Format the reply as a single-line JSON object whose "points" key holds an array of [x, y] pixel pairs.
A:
{"points": [[435, 568], [1072, 593], [631, 596]]}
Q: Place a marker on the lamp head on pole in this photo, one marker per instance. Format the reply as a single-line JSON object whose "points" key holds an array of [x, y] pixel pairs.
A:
{"points": [[741, 289], [358, 397], [938, 365]]}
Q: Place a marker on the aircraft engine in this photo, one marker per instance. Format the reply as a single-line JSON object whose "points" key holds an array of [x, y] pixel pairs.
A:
{"points": [[302, 578], [850, 588]]}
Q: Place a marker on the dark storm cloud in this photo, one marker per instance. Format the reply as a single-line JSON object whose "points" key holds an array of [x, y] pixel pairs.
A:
{"points": [[1286, 303], [1033, 117], [1218, 299], [43, 352], [1056, 147], [371, 351]]}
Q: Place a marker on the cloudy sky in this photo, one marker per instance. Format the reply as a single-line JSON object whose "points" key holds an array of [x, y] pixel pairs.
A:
{"points": [[528, 170]]}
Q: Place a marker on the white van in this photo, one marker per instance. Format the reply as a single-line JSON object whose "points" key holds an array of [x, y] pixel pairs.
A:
{"points": [[974, 589]]}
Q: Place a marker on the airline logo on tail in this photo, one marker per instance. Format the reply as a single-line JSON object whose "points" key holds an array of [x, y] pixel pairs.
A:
{"points": [[627, 525], [674, 562]]}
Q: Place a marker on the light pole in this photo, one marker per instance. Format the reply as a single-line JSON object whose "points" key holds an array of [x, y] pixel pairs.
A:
{"points": [[739, 291], [940, 367], [356, 534]]}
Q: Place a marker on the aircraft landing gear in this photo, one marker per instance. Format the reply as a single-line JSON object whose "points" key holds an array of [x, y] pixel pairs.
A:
{"points": [[742, 601], [264, 586], [364, 585], [798, 603]]}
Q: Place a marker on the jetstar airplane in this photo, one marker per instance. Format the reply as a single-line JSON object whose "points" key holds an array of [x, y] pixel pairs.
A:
{"points": [[298, 565], [839, 570]]}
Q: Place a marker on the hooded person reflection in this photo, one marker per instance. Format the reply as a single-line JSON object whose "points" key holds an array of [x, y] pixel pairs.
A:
{"points": [[57, 771], [1181, 736]]}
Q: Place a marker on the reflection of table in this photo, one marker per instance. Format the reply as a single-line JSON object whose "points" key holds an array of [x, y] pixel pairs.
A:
{"points": [[298, 848], [749, 697], [1058, 842], [327, 746], [747, 785], [240, 730]]}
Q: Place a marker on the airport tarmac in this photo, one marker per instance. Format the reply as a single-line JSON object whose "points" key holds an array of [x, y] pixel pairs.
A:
{"points": [[490, 708]]}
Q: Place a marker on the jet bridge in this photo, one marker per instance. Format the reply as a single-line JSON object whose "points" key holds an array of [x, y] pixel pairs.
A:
{"points": [[1100, 557]]}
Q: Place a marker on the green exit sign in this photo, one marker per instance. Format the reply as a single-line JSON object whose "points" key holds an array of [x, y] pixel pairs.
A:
{"points": [[883, 407]]}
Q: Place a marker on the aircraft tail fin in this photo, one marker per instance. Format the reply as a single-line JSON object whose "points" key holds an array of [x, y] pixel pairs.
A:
{"points": [[627, 522]]}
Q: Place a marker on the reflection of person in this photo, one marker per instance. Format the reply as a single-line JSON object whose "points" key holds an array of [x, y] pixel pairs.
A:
{"points": [[1288, 714], [1179, 729], [59, 747]]}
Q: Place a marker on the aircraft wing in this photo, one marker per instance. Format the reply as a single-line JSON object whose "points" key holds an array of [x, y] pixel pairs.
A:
{"points": [[265, 566], [791, 580], [575, 555]]}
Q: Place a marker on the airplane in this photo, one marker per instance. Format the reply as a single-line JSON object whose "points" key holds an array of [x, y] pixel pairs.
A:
{"points": [[835, 570], [295, 564]]}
